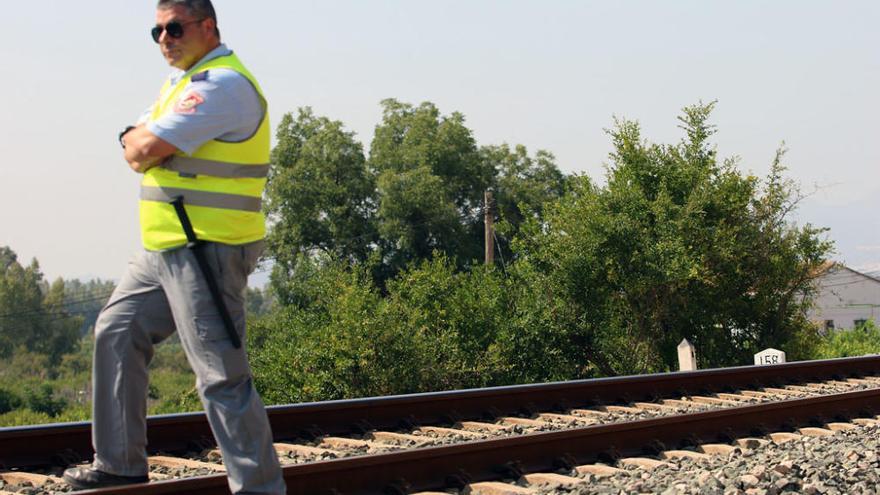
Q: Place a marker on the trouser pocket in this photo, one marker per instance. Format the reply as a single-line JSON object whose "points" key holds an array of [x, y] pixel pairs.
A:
{"points": [[223, 363]]}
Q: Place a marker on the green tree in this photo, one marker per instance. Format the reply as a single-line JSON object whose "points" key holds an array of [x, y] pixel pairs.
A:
{"points": [[320, 196], [33, 315], [606, 279], [677, 245], [59, 333], [419, 193], [523, 187], [21, 303], [86, 299], [431, 182], [258, 302], [7, 257]]}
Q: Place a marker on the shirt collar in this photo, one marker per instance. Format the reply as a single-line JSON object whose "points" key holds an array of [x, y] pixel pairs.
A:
{"points": [[220, 51]]}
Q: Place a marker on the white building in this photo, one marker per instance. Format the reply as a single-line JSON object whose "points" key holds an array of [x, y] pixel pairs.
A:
{"points": [[845, 298]]}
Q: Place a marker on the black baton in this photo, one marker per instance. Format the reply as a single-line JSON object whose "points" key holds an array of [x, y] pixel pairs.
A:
{"points": [[195, 245]]}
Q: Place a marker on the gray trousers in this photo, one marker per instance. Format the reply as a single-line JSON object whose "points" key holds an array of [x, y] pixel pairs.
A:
{"points": [[164, 292]]}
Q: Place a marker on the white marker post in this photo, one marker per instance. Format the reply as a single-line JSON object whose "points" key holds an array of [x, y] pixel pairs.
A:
{"points": [[687, 357], [769, 357]]}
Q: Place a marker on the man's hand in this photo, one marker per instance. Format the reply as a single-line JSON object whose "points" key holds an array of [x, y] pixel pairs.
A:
{"points": [[144, 150]]}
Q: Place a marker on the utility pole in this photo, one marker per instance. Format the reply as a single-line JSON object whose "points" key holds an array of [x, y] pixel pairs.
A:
{"points": [[489, 220]]}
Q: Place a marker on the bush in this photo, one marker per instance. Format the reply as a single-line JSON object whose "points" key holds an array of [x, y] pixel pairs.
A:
{"points": [[605, 281], [678, 244], [43, 401], [8, 401], [859, 341], [332, 348], [180, 401], [171, 380], [436, 328], [433, 330], [74, 413], [24, 417], [538, 337]]}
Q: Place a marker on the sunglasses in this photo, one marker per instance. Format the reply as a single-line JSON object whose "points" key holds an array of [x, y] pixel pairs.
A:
{"points": [[173, 28]]}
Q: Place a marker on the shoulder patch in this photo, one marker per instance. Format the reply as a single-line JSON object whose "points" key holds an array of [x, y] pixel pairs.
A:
{"points": [[201, 76], [188, 103]]}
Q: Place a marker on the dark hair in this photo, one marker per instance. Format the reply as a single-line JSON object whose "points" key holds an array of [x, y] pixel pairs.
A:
{"points": [[201, 9]]}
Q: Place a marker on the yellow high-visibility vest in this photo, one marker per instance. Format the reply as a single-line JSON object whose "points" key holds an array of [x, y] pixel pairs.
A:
{"points": [[221, 182]]}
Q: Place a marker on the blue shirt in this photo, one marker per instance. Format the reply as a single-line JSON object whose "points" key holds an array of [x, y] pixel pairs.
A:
{"points": [[221, 104]]}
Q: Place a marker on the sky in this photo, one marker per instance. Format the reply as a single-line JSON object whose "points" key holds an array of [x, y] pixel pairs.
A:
{"points": [[549, 74]]}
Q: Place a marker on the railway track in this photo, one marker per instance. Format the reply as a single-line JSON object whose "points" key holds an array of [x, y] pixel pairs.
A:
{"points": [[469, 440]]}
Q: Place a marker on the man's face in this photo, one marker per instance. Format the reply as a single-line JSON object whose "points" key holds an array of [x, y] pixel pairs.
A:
{"points": [[197, 40]]}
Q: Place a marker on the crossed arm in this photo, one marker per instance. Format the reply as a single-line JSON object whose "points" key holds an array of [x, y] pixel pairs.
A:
{"points": [[144, 150]]}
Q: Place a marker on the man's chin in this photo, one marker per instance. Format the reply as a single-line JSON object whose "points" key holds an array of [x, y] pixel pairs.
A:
{"points": [[171, 56], [174, 61]]}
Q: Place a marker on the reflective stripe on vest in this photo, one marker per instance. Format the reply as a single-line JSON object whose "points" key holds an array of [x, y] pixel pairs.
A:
{"points": [[197, 166], [202, 198], [221, 182]]}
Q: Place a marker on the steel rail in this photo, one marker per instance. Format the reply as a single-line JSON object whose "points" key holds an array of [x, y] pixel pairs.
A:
{"points": [[61, 443], [440, 467]]}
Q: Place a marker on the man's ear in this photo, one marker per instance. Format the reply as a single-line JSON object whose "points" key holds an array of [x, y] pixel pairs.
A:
{"points": [[210, 25]]}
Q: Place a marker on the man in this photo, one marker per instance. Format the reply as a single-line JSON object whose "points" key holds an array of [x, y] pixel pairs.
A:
{"points": [[206, 140]]}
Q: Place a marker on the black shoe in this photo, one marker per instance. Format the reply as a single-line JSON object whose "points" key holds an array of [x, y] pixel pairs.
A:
{"points": [[85, 478]]}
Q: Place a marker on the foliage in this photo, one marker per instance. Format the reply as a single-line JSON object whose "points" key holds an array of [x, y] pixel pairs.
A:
{"points": [[86, 299], [603, 280], [258, 302], [859, 341], [453, 318], [8, 401], [45, 363], [43, 393], [33, 314], [431, 183], [319, 196], [539, 338], [43, 400], [297, 355], [60, 333], [420, 192], [434, 328], [378, 286], [22, 316], [24, 417], [172, 382], [353, 342], [523, 188], [677, 245]]}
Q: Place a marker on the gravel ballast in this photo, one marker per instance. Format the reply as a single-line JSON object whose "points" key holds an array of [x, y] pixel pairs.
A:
{"points": [[846, 462]]}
